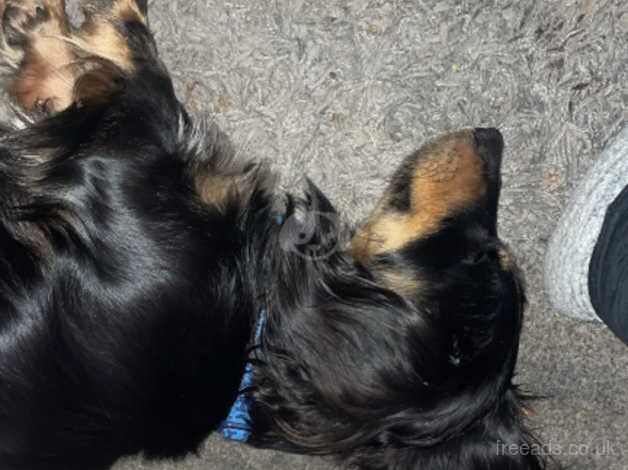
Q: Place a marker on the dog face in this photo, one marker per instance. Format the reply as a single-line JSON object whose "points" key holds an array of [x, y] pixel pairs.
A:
{"points": [[433, 236], [400, 353]]}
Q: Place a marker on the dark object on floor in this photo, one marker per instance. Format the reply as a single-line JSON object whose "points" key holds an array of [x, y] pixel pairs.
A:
{"points": [[608, 273]]}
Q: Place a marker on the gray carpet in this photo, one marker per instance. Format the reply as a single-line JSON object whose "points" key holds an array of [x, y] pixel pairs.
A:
{"points": [[342, 90]]}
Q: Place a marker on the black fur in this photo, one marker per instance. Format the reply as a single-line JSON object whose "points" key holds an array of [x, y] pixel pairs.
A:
{"points": [[354, 370], [127, 307]]}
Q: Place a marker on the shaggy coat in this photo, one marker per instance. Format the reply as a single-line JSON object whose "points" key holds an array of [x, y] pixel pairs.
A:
{"points": [[138, 252]]}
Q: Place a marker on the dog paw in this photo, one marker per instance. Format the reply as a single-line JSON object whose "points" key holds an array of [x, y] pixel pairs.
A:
{"points": [[22, 21], [33, 43]]}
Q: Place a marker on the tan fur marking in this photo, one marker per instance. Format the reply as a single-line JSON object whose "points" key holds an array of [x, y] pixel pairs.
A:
{"points": [[97, 84], [214, 190], [47, 72], [219, 189], [127, 10], [506, 259], [447, 178], [100, 37], [401, 282], [60, 66], [41, 84]]}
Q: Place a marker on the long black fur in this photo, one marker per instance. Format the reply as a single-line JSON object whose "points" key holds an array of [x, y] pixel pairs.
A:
{"points": [[354, 370], [127, 307]]}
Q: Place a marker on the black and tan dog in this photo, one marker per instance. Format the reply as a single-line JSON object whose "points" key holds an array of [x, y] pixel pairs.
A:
{"points": [[137, 254]]}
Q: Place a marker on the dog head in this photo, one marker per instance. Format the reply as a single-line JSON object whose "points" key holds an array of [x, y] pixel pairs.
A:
{"points": [[399, 353], [433, 240]]}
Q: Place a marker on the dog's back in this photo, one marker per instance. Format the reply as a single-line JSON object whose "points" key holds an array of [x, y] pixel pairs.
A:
{"points": [[122, 325]]}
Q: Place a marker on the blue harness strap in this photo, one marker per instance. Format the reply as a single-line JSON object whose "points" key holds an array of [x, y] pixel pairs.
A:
{"points": [[237, 425]]}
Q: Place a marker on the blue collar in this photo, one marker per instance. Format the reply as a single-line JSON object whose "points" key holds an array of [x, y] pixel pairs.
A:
{"points": [[237, 425]]}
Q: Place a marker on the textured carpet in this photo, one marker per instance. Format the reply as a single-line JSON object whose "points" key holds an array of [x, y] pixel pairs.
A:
{"points": [[342, 90]]}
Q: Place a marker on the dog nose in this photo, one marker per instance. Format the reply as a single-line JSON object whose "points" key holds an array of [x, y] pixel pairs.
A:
{"points": [[490, 143]]}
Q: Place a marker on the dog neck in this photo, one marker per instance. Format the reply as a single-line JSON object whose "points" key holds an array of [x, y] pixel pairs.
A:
{"points": [[237, 424]]}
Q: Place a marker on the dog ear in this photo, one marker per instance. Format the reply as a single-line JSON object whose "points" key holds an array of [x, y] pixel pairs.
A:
{"points": [[313, 230], [499, 441]]}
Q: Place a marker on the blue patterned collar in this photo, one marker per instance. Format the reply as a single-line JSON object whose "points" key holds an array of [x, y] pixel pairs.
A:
{"points": [[237, 425]]}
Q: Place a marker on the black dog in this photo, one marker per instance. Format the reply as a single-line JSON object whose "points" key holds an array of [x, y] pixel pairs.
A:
{"points": [[137, 255]]}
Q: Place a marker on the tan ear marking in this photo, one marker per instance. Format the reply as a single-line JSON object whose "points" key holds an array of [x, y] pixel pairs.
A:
{"points": [[446, 177]]}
